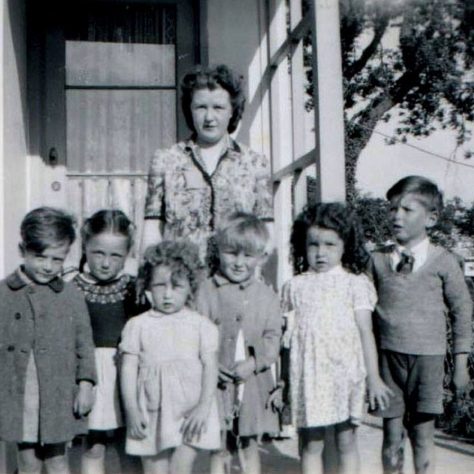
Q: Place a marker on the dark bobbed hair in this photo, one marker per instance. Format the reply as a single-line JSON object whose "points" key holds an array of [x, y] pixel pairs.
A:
{"points": [[427, 191], [112, 221], [243, 231], [182, 257], [46, 227], [210, 78], [333, 216]]}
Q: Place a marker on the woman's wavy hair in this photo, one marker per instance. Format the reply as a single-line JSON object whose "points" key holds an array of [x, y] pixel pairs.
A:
{"points": [[333, 216], [210, 78], [182, 257]]}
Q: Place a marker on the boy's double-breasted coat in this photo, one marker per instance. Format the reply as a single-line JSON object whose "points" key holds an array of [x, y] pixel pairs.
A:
{"points": [[52, 321]]}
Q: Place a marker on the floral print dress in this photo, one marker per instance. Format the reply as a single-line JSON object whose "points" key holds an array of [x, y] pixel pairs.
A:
{"points": [[193, 203], [327, 370]]}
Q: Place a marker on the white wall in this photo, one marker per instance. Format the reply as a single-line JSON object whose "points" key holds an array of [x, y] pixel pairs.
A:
{"points": [[14, 139], [236, 37]]}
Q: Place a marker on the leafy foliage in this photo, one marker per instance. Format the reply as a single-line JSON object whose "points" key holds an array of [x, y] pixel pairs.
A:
{"points": [[425, 78]]}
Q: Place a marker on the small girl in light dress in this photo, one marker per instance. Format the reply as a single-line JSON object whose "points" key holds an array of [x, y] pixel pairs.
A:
{"points": [[329, 306], [169, 366], [107, 237]]}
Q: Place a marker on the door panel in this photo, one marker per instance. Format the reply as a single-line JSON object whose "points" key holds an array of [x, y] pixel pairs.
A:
{"points": [[117, 131], [111, 72], [105, 64]]}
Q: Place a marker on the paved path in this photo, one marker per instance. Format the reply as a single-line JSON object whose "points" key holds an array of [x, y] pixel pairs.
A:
{"points": [[281, 457]]}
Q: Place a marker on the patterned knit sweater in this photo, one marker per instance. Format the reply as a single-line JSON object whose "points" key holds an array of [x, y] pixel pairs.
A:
{"points": [[411, 312]]}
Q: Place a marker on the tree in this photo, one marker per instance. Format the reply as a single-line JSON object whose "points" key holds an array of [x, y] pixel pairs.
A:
{"points": [[427, 78]]}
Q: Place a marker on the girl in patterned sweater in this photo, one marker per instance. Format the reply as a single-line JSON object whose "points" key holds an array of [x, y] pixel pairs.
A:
{"points": [[329, 305], [110, 296]]}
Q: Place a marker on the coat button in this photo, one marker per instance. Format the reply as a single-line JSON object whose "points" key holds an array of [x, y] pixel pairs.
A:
{"points": [[10, 348], [238, 318], [17, 315]]}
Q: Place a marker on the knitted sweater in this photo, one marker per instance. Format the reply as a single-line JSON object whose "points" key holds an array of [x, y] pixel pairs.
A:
{"points": [[410, 315]]}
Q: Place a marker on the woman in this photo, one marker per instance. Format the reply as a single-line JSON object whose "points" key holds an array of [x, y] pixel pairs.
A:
{"points": [[196, 184]]}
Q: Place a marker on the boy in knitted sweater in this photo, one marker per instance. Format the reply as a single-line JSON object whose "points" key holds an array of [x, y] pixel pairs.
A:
{"points": [[418, 283]]}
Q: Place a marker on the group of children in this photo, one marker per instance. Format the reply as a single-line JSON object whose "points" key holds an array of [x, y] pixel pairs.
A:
{"points": [[187, 361]]}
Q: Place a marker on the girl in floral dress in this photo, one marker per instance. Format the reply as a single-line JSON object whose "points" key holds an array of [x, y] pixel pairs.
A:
{"points": [[328, 306], [169, 366], [111, 299]]}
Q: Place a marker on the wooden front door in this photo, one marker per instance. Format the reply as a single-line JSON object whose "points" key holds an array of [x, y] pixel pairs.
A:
{"points": [[111, 98]]}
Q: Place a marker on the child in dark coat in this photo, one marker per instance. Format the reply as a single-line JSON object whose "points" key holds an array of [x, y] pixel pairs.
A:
{"points": [[47, 364]]}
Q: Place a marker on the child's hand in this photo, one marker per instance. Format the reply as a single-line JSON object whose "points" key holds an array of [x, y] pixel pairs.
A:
{"points": [[85, 398], [195, 422], [137, 425], [460, 377], [275, 400], [225, 376], [379, 394], [244, 369]]}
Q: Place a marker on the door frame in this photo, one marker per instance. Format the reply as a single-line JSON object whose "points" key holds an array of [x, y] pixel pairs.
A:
{"points": [[46, 70]]}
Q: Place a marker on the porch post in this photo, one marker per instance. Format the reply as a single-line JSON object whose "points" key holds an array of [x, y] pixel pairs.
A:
{"points": [[328, 101]]}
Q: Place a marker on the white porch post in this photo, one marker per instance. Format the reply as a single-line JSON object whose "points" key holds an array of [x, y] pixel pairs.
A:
{"points": [[328, 101]]}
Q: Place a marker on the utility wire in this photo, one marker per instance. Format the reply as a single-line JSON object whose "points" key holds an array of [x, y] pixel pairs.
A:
{"points": [[436, 155]]}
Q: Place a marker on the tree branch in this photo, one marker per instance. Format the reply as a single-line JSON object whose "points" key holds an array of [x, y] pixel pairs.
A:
{"points": [[360, 63]]}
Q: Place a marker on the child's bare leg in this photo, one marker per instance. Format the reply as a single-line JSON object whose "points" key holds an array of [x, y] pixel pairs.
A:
{"points": [[182, 460], [312, 443], [220, 462], [392, 447], [93, 457], [28, 461], [158, 464], [421, 434], [250, 456], [348, 451], [57, 464]]}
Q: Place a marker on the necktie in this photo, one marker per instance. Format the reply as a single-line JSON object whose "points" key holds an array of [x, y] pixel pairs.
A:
{"points": [[405, 265]]}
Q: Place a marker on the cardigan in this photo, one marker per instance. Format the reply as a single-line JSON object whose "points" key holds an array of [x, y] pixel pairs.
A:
{"points": [[52, 321], [253, 308], [411, 311]]}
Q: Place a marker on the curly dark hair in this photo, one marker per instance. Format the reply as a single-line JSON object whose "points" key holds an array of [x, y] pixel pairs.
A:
{"points": [[210, 78], [182, 257], [333, 216]]}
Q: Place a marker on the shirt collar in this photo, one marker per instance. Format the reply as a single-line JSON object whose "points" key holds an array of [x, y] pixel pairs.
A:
{"points": [[191, 145], [419, 251], [19, 279], [220, 280]]}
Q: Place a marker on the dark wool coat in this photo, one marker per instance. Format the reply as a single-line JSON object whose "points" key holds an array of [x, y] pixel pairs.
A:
{"points": [[52, 321]]}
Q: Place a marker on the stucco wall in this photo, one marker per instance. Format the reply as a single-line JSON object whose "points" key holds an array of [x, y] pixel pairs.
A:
{"points": [[236, 36], [14, 148]]}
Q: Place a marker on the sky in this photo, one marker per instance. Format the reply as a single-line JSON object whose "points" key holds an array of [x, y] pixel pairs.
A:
{"points": [[436, 157]]}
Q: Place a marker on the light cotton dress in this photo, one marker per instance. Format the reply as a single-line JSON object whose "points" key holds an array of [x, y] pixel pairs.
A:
{"points": [[169, 348], [327, 370]]}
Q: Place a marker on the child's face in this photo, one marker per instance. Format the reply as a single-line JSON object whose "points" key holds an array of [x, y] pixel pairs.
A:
{"points": [[106, 254], [238, 265], [410, 219], [169, 294], [42, 267], [324, 249]]}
